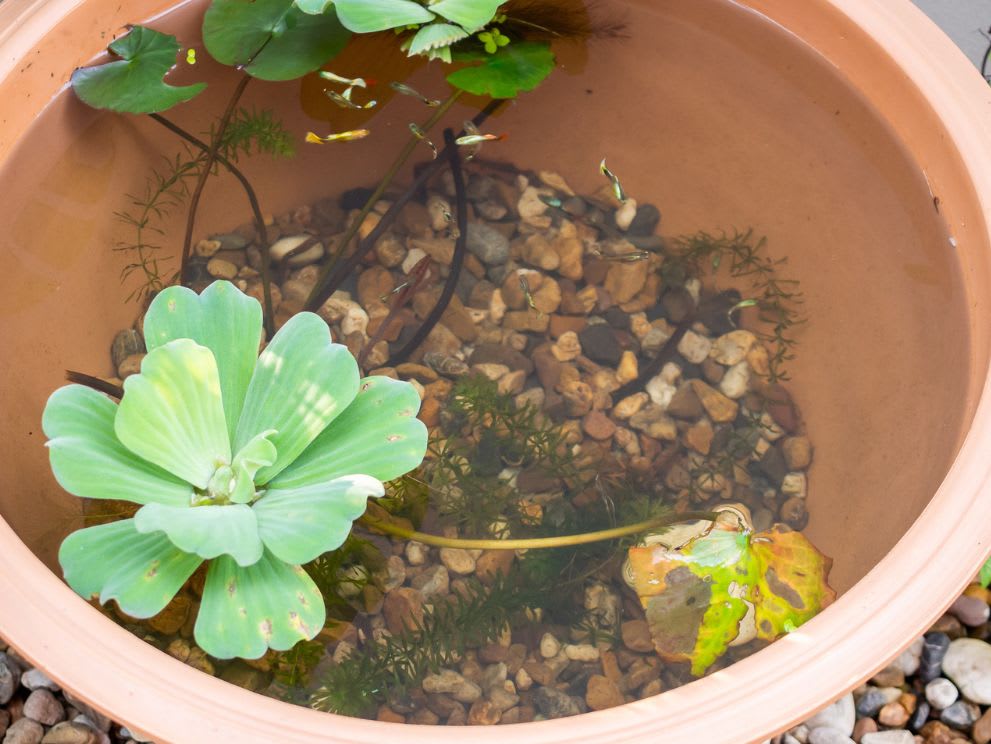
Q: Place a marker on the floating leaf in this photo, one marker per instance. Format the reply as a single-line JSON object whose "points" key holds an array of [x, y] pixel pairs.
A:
{"points": [[302, 381], [115, 561], [696, 597], [133, 83], [470, 14], [368, 16], [246, 611], [83, 450], [377, 435], [271, 39], [221, 318], [300, 524], [521, 66], [171, 413], [206, 531], [985, 576], [434, 36]]}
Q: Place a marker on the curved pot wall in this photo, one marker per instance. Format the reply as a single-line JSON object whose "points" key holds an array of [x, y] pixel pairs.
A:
{"points": [[890, 374]]}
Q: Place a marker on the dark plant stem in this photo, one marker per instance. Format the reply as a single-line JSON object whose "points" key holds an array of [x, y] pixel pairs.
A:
{"points": [[114, 391], [652, 368], [457, 262], [341, 270], [255, 209], [398, 163], [211, 158]]}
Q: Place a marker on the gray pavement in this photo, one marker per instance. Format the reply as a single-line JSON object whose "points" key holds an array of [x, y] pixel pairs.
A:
{"points": [[963, 21]]}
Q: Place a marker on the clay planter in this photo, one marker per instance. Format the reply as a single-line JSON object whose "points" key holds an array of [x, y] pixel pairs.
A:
{"points": [[740, 121]]}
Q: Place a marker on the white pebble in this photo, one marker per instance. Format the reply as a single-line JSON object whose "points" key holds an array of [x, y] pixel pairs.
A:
{"points": [[625, 214], [736, 381], [416, 553], [795, 484], [694, 348], [968, 664], [941, 693], [841, 716], [355, 320], [581, 652], [413, 257], [549, 646], [660, 391]]}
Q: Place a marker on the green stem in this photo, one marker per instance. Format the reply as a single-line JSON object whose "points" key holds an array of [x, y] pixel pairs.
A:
{"points": [[377, 194], [561, 541]]}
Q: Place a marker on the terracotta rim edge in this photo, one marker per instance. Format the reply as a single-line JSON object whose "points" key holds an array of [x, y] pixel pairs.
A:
{"points": [[738, 704]]}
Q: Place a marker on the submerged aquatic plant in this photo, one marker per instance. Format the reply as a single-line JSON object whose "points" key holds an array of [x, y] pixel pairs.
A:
{"points": [[257, 464]]}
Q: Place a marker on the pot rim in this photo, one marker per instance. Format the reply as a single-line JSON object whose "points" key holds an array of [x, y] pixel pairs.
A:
{"points": [[168, 701]]}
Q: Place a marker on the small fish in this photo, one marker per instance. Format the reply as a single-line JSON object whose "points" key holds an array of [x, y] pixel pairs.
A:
{"points": [[473, 139], [395, 290], [349, 136], [344, 100], [408, 91], [525, 286], [631, 257], [617, 187], [550, 201], [742, 304], [422, 136], [350, 82], [190, 56]]}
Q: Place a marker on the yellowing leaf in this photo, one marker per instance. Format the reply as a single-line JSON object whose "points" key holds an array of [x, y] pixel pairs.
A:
{"points": [[697, 596]]}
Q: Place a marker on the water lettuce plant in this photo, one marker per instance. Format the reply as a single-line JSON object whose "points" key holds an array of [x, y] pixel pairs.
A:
{"points": [[255, 463]]}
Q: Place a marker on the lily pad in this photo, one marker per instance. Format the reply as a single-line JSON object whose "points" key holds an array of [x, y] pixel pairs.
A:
{"points": [[369, 16], [469, 14], [133, 83], [518, 67], [695, 597], [434, 36], [272, 39], [246, 611]]}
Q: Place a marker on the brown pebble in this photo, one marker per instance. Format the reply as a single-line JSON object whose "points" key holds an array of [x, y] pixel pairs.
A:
{"points": [[42, 706], [794, 514], [483, 713], [424, 717], [403, 607], [797, 452], [71, 733], [130, 366], [602, 693], [492, 563], [982, 729], [598, 426], [893, 714], [385, 713], [561, 324], [636, 636], [864, 726]]}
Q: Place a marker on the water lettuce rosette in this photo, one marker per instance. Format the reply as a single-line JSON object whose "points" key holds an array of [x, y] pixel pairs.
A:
{"points": [[255, 463]]}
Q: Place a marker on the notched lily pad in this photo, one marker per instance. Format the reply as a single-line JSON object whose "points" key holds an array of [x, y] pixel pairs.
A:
{"points": [[518, 67], [697, 596], [134, 83]]}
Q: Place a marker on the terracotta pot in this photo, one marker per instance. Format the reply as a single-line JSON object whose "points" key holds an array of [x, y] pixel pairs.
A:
{"points": [[829, 124]]}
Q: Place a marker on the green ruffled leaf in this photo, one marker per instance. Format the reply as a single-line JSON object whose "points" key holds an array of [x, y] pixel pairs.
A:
{"points": [[83, 450], [299, 524], [246, 611], [434, 36], [378, 435], [985, 575], [224, 320], [133, 83], [368, 16], [471, 14], [255, 455], [301, 383], [172, 415], [519, 67], [207, 531], [142, 572], [271, 39]]}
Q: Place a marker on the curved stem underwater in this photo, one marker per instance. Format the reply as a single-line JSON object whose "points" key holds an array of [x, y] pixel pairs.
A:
{"points": [[211, 158], [535, 543]]}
